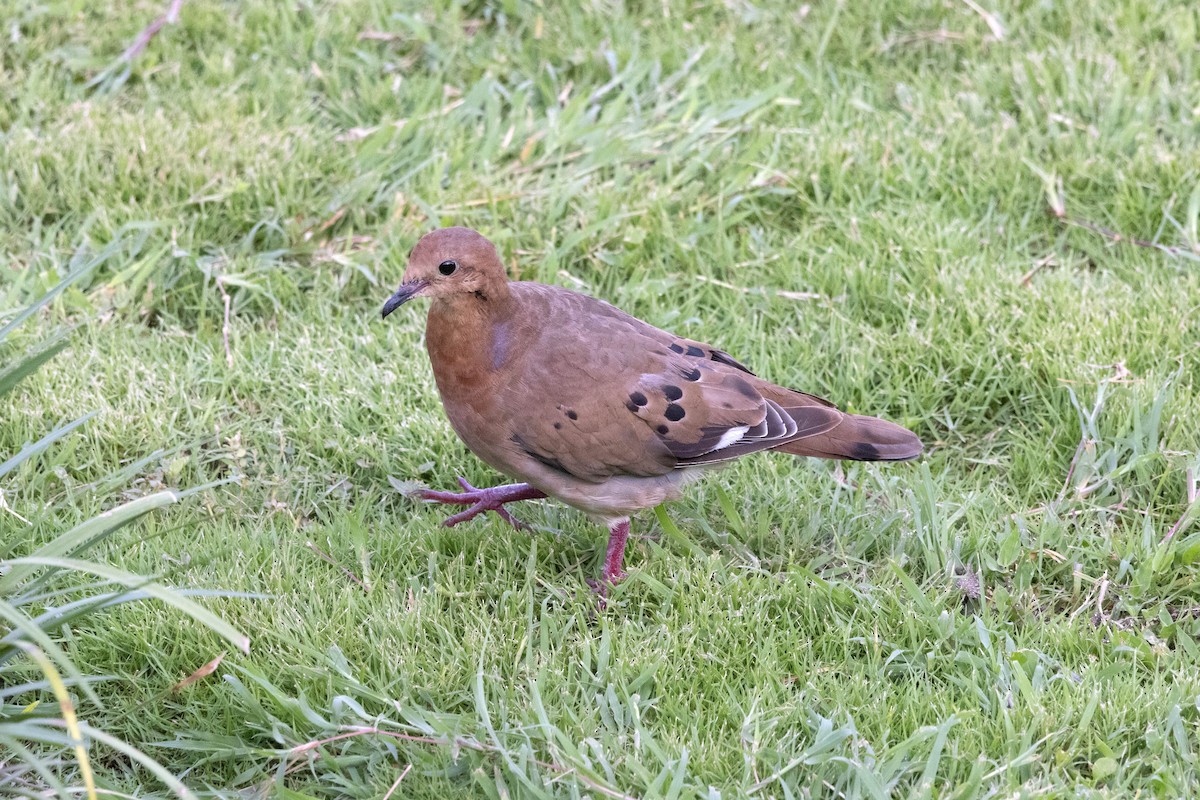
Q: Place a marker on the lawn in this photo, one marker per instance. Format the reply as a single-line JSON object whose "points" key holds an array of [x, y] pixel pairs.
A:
{"points": [[979, 220]]}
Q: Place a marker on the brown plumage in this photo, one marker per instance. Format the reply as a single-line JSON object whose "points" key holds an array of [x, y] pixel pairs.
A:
{"points": [[587, 404]]}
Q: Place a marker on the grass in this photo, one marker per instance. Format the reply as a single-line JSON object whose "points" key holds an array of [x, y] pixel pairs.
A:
{"points": [[1015, 614], [45, 742]]}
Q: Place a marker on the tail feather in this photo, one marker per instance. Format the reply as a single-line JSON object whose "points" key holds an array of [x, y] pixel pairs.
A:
{"points": [[859, 439]]}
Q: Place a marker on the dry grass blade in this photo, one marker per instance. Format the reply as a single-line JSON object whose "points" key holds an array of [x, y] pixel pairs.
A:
{"points": [[784, 293], [380, 36], [202, 672], [1189, 507], [330, 560], [392, 789], [67, 709], [993, 22], [1056, 199], [226, 327], [169, 17]]}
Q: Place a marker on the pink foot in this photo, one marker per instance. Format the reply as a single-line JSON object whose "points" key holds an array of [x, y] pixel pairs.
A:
{"points": [[481, 500]]}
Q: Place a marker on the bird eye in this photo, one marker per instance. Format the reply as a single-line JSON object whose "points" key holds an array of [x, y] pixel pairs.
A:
{"points": [[447, 267]]}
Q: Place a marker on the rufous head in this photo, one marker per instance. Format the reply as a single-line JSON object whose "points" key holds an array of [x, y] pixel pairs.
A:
{"points": [[447, 262]]}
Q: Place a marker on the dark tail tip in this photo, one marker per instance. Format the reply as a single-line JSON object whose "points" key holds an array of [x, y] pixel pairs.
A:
{"points": [[875, 439], [858, 439]]}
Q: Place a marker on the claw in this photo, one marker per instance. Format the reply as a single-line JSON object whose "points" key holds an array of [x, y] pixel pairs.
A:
{"points": [[481, 500]]}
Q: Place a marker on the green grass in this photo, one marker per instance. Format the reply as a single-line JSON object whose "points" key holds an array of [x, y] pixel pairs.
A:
{"points": [[791, 629]]}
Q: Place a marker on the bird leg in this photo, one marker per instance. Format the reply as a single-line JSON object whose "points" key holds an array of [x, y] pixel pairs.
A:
{"points": [[481, 500], [618, 532]]}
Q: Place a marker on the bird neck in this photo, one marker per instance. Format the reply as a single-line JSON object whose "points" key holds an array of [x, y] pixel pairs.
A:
{"points": [[470, 336]]}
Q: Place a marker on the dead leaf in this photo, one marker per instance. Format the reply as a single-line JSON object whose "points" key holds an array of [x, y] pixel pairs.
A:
{"points": [[203, 672]]}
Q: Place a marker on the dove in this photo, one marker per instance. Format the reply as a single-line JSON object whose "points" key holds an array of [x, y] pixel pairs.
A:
{"points": [[576, 400]]}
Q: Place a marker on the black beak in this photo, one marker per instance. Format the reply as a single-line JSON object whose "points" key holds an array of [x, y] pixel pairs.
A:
{"points": [[406, 292]]}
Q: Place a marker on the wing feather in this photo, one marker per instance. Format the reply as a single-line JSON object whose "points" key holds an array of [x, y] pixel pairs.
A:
{"points": [[629, 399]]}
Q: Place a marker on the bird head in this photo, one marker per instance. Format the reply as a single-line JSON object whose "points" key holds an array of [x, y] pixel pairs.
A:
{"points": [[447, 262]]}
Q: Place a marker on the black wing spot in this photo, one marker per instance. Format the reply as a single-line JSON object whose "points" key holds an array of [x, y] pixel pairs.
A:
{"points": [[864, 451], [558, 426], [744, 388], [552, 463], [674, 412], [663, 429], [725, 358], [676, 347], [692, 374], [638, 398], [571, 414], [672, 391], [694, 351], [544, 460], [632, 406]]}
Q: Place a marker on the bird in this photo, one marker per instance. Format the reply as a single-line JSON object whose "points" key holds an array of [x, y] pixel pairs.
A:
{"points": [[578, 401]]}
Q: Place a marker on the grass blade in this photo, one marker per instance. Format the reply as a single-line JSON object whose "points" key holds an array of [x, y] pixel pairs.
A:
{"points": [[67, 706], [167, 595], [31, 450], [31, 363], [140, 757], [25, 630], [81, 535]]}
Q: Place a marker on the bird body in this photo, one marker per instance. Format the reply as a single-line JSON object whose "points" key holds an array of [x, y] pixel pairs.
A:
{"points": [[587, 404], [530, 399]]}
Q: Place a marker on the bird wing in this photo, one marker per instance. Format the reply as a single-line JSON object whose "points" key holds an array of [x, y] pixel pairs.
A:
{"points": [[601, 394], [733, 413]]}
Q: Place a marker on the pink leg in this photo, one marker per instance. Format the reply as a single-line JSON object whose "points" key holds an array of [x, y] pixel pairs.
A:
{"points": [[481, 500], [618, 532]]}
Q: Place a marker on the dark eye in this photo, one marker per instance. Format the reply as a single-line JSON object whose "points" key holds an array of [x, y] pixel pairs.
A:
{"points": [[447, 267]]}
